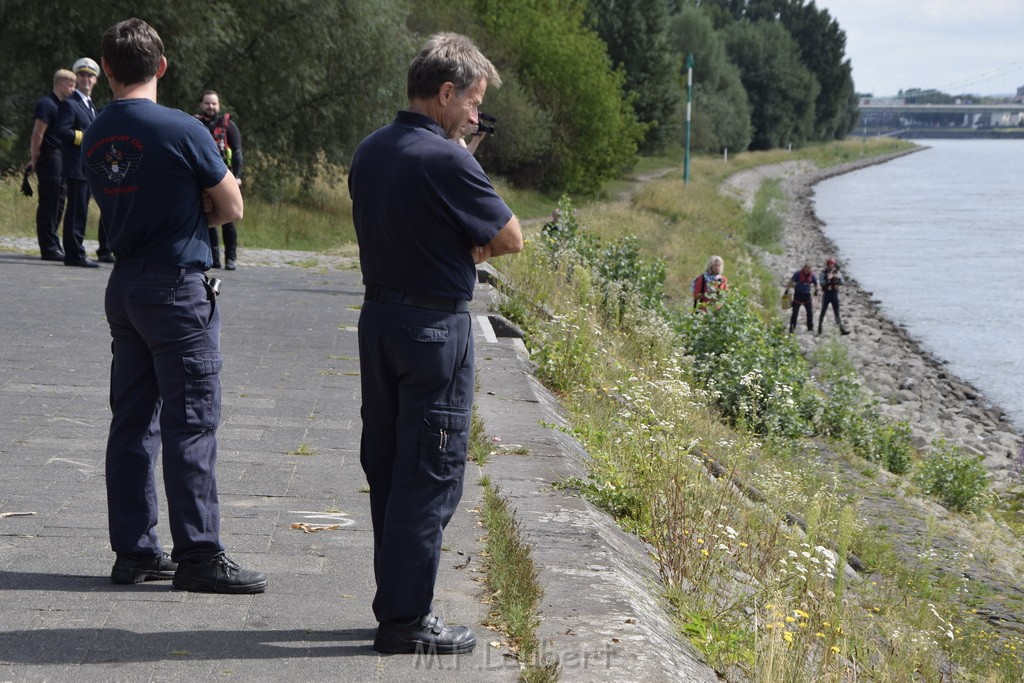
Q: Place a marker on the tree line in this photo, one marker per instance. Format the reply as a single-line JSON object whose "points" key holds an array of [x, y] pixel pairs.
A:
{"points": [[587, 83]]}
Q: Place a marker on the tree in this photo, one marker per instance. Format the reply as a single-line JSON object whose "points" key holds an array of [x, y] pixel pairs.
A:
{"points": [[305, 80], [564, 120], [822, 46], [721, 111], [570, 103], [782, 91], [308, 80], [637, 39]]}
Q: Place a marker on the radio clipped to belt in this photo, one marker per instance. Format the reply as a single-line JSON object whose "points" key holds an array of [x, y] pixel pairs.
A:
{"points": [[212, 285]]}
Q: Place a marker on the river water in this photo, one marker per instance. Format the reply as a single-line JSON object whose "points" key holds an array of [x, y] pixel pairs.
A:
{"points": [[937, 237]]}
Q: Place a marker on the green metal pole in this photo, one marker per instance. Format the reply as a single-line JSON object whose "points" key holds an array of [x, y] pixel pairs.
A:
{"points": [[689, 100]]}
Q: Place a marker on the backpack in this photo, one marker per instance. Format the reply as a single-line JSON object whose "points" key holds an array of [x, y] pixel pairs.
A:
{"points": [[699, 286], [219, 129]]}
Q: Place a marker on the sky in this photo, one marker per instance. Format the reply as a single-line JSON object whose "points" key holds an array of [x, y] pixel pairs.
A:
{"points": [[956, 46]]}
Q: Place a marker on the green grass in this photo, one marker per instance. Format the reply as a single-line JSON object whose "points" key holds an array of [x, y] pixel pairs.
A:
{"points": [[515, 590], [764, 226]]}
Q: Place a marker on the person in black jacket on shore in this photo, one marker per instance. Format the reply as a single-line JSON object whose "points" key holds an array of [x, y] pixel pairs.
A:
{"points": [[831, 281]]}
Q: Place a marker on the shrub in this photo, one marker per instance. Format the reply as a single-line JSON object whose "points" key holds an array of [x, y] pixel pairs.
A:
{"points": [[621, 271], [955, 478], [893, 447], [755, 373]]}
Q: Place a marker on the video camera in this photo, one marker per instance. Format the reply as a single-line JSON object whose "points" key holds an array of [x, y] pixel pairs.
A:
{"points": [[485, 128]]}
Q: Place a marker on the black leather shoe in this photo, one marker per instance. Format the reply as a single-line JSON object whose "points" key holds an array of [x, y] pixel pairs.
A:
{"points": [[131, 569], [59, 256], [218, 574], [106, 258], [81, 263], [427, 634]]}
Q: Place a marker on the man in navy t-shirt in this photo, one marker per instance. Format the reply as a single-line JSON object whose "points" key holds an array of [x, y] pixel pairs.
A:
{"points": [[160, 182], [46, 164], [425, 213]]}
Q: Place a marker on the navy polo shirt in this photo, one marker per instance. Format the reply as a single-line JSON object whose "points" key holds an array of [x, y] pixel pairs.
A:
{"points": [[147, 166], [46, 111], [420, 202]]}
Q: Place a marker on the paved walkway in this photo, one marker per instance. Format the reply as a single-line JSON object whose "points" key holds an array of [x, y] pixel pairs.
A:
{"points": [[288, 455]]}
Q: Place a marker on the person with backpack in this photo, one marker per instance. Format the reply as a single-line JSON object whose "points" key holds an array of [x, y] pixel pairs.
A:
{"points": [[803, 283], [708, 286], [831, 280], [229, 142]]}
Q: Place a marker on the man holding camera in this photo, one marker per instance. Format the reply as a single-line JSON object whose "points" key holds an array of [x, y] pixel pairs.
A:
{"points": [[479, 130], [418, 257]]}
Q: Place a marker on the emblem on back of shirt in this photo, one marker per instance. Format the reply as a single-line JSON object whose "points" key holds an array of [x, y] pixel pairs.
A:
{"points": [[114, 163]]}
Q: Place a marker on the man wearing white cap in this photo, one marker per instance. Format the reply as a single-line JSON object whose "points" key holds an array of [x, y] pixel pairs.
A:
{"points": [[74, 115]]}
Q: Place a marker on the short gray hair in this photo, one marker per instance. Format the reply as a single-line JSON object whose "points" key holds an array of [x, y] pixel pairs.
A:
{"points": [[712, 261], [448, 58]]}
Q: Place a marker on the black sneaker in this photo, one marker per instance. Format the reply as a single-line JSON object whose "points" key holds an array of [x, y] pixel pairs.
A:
{"points": [[218, 574], [426, 635], [131, 569]]}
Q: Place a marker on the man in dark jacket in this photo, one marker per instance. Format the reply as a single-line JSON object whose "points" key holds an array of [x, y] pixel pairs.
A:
{"points": [[831, 281], [229, 142], [74, 115]]}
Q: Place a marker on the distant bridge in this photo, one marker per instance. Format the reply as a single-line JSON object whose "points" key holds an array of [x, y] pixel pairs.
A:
{"points": [[894, 113], [867, 105]]}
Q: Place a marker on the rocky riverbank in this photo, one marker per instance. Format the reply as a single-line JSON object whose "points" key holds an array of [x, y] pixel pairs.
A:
{"points": [[982, 554], [909, 382]]}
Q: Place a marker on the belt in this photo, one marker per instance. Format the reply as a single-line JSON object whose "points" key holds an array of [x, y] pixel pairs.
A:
{"points": [[139, 265], [387, 295]]}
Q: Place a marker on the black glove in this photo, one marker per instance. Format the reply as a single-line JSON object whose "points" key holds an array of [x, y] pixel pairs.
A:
{"points": [[26, 188]]}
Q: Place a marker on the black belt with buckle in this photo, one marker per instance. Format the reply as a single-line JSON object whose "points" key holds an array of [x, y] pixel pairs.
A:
{"points": [[386, 295]]}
